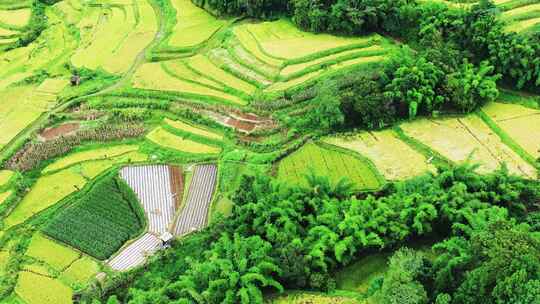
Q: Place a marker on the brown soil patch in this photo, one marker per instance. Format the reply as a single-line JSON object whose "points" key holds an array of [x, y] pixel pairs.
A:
{"points": [[177, 185], [65, 129], [242, 126]]}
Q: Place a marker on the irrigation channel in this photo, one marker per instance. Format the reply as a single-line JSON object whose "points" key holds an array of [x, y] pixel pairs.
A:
{"points": [[153, 186]]}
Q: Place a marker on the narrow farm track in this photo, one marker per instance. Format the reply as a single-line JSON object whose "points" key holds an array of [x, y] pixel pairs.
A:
{"points": [[195, 213], [136, 253]]}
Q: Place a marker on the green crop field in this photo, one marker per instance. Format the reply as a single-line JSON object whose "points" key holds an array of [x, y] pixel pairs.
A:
{"points": [[334, 164], [294, 151], [101, 221]]}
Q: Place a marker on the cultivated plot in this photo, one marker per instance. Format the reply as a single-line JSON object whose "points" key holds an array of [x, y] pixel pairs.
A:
{"points": [[180, 125], [519, 122], [153, 188], [194, 214], [329, 162], [166, 139], [136, 253], [467, 138], [5, 176], [193, 26], [38, 289], [393, 158]]}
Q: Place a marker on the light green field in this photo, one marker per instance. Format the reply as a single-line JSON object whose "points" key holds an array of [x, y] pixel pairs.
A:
{"points": [[38, 269], [95, 154], [163, 138], [180, 125], [358, 275], [113, 37], [468, 138], [283, 40], [520, 123], [38, 289], [151, 76], [53, 253], [17, 18], [334, 164], [204, 66], [80, 271], [393, 158], [193, 24], [5, 176]]}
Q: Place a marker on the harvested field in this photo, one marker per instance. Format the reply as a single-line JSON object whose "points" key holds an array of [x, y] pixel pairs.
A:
{"points": [[180, 125], [62, 130], [152, 184], [519, 122], [166, 139], [329, 162], [37, 289], [460, 139], [136, 253], [194, 25], [393, 158], [194, 214]]}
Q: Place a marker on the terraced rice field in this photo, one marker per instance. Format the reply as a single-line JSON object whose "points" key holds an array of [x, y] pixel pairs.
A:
{"points": [[5, 176], [15, 18], [332, 163], [5, 195], [57, 256], [520, 123], [193, 26], [50, 291], [166, 139], [467, 138], [393, 158], [194, 214], [180, 125], [113, 36]]}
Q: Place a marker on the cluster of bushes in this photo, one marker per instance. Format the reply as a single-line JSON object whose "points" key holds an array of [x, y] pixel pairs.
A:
{"points": [[297, 237], [33, 153], [101, 221]]}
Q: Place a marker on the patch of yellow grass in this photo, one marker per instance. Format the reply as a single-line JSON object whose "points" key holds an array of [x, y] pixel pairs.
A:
{"points": [[56, 255], [521, 26], [395, 159], [521, 10], [519, 122], [163, 138], [151, 76], [81, 271], [461, 138], [94, 154], [283, 39], [53, 85], [204, 66], [5, 176], [4, 196], [178, 124], [18, 17], [194, 25], [37, 289], [300, 298]]}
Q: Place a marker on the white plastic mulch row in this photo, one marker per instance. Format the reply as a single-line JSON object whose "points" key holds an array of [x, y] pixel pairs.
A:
{"points": [[195, 212], [136, 253], [153, 187]]}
